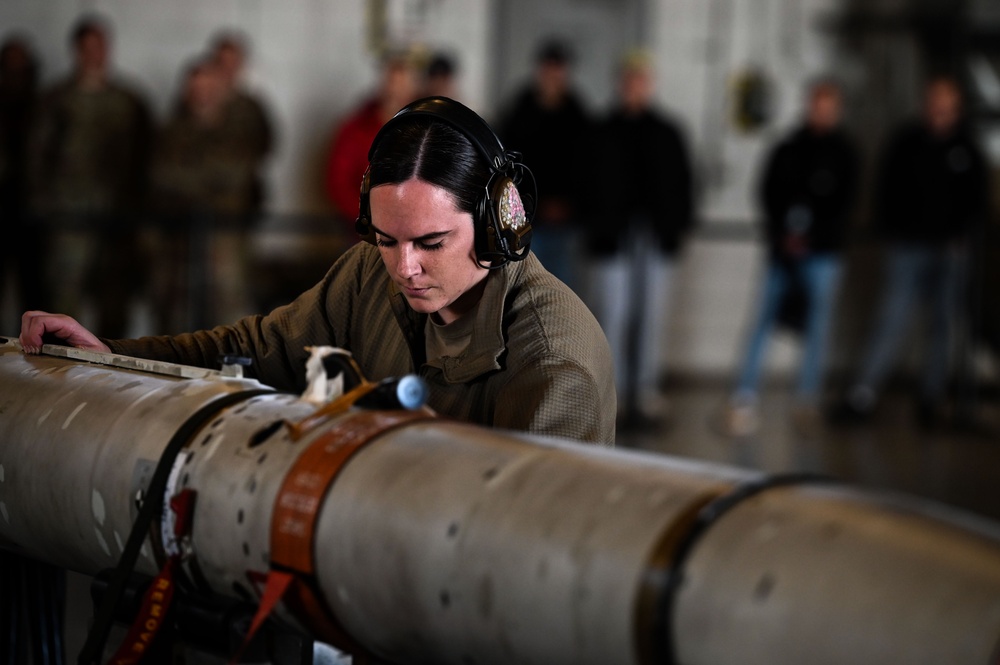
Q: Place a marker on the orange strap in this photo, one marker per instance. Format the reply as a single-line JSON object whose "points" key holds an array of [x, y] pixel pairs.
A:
{"points": [[277, 584], [160, 594], [293, 523], [149, 620], [336, 407]]}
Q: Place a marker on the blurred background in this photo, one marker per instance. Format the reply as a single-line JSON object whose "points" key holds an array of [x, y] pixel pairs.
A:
{"points": [[210, 182]]}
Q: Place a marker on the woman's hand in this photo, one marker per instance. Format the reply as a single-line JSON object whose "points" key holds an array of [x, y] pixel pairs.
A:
{"points": [[35, 324]]}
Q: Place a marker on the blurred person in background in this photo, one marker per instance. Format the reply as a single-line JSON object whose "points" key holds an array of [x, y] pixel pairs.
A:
{"points": [[549, 124], [441, 77], [22, 252], [203, 179], [246, 118], [643, 196], [246, 124], [88, 157], [932, 192], [399, 84], [808, 185]]}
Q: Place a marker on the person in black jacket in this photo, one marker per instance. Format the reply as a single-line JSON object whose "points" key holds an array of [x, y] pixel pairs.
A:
{"points": [[642, 209], [932, 191], [549, 124], [808, 186]]}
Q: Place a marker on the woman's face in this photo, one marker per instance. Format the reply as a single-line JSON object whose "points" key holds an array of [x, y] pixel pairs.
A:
{"points": [[428, 247]]}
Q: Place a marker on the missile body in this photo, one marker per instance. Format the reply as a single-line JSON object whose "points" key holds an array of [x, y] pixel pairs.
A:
{"points": [[423, 540]]}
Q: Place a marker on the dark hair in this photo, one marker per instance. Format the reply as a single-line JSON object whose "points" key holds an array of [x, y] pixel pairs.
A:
{"points": [[88, 25], [435, 152], [944, 78], [10, 46], [441, 65], [230, 39], [554, 51], [824, 82]]}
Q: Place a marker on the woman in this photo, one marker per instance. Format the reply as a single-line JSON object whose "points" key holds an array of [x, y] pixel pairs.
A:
{"points": [[450, 291]]}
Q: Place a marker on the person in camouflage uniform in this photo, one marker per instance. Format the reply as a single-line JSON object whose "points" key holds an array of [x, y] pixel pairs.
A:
{"points": [[204, 190], [248, 123], [246, 116], [88, 156]]}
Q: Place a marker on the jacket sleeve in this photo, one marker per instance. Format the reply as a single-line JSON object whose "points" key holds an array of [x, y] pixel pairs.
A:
{"points": [[559, 378], [558, 397], [682, 177], [275, 343], [774, 196], [892, 196]]}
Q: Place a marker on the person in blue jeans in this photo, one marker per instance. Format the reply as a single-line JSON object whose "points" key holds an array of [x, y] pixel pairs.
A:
{"points": [[807, 189], [932, 191], [642, 212]]}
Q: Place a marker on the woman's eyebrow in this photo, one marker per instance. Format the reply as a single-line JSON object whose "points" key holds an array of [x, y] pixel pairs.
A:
{"points": [[434, 235]]}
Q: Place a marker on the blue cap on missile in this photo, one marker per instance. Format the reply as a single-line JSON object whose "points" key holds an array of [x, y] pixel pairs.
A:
{"points": [[412, 392]]}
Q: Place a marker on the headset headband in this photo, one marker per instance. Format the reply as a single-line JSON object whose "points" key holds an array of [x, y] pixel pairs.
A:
{"points": [[461, 118]]}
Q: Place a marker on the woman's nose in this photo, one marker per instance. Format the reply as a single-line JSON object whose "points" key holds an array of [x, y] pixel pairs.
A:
{"points": [[407, 262]]}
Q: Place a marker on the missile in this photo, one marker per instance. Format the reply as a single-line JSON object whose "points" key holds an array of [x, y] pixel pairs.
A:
{"points": [[412, 538]]}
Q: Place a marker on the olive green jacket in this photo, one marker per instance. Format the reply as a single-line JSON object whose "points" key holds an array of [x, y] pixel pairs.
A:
{"points": [[537, 361], [88, 150]]}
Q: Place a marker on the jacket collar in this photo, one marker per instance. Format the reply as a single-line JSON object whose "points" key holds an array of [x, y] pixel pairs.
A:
{"points": [[487, 344]]}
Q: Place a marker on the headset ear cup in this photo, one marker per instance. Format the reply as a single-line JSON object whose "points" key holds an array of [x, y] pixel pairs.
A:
{"points": [[510, 220], [363, 225]]}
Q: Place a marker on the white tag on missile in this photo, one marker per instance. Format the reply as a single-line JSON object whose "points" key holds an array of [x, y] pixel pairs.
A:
{"points": [[321, 388]]}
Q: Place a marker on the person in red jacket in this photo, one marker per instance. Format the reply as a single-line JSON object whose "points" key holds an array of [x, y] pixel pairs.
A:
{"points": [[348, 156]]}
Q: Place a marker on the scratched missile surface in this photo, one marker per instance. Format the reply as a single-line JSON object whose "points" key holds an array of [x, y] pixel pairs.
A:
{"points": [[439, 542]]}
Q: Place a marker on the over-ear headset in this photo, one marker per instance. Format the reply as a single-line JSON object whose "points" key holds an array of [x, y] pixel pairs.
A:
{"points": [[502, 217]]}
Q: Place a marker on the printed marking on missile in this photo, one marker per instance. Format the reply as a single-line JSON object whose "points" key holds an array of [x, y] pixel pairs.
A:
{"points": [[97, 507], [73, 415]]}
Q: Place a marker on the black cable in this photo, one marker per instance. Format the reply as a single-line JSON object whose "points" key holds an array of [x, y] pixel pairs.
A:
{"points": [[93, 649]]}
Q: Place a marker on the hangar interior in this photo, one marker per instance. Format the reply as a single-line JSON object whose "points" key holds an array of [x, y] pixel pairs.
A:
{"points": [[715, 62]]}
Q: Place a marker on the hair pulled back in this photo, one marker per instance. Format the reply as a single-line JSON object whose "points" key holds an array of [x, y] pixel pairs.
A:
{"points": [[433, 151]]}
